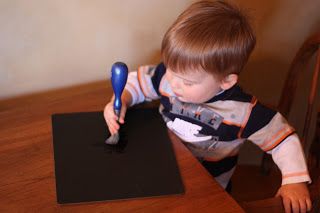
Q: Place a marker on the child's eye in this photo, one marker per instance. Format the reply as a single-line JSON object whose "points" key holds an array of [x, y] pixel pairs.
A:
{"points": [[187, 83]]}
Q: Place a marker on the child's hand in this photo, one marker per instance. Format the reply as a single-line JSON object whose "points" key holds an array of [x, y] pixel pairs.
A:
{"points": [[295, 197], [112, 119]]}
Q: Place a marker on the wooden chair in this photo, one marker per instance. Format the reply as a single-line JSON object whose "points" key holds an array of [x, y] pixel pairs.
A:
{"points": [[309, 48], [274, 204]]}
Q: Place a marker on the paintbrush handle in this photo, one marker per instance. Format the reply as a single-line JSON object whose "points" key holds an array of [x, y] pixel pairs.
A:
{"points": [[119, 75]]}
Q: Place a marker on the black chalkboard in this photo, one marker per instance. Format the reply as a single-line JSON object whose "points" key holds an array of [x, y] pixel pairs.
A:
{"points": [[142, 164]]}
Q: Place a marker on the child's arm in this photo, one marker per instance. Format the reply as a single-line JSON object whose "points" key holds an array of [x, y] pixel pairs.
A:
{"points": [[140, 87], [289, 157], [270, 131], [143, 84]]}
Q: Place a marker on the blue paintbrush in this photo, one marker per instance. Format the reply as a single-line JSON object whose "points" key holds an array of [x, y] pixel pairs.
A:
{"points": [[119, 75]]}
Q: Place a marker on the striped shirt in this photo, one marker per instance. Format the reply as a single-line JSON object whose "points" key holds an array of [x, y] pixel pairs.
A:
{"points": [[215, 130]]}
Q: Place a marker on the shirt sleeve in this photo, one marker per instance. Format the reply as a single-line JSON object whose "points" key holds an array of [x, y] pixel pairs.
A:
{"points": [[290, 159], [270, 131], [143, 84]]}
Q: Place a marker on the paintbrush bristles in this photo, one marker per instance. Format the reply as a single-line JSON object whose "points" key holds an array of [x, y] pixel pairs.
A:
{"points": [[113, 139]]}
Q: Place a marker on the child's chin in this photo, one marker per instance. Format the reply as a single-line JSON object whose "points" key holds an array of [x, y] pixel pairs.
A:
{"points": [[182, 99], [187, 100]]}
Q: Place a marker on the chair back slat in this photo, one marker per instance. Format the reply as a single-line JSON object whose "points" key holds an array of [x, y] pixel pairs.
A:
{"points": [[300, 61]]}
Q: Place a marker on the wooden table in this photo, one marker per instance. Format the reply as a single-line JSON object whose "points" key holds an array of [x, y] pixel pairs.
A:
{"points": [[27, 182]]}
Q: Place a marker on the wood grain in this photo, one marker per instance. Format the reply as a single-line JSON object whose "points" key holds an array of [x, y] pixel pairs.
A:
{"points": [[27, 181]]}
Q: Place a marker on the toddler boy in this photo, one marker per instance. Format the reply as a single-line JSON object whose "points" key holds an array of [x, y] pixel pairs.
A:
{"points": [[203, 53]]}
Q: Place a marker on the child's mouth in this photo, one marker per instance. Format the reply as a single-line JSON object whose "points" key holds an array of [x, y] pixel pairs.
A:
{"points": [[177, 94]]}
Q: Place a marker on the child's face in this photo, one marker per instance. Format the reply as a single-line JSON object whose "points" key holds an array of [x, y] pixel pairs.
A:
{"points": [[194, 86]]}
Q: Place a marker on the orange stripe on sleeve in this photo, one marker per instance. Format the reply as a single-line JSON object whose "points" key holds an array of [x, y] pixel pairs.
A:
{"points": [[284, 132], [231, 123], [296, 174], [245, 121], [140, 80], [164, 94]]}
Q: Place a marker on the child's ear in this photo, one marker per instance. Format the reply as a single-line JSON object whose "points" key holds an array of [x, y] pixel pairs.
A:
{"points": [[228, 81]]}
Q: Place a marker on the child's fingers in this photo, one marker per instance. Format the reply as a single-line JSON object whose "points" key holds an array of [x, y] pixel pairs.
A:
{"points": [[122, 114], [295, 206], [286, 204], [110, 118], [114, 124], [114, 117], [112, 129], [303, 206], [108, 112], [309, 204]]}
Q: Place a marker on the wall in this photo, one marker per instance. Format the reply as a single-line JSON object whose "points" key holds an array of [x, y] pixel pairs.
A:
{"points": [[281, 27], [51, 44]]}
